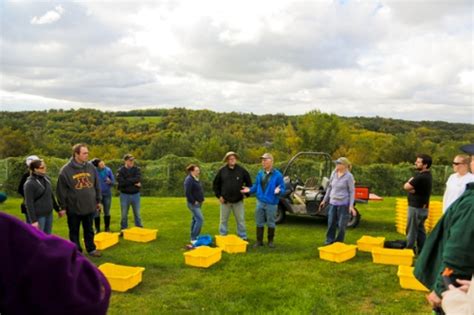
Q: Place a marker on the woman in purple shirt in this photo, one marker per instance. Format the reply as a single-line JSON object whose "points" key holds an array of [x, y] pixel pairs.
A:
{"points": [[340, 194]]}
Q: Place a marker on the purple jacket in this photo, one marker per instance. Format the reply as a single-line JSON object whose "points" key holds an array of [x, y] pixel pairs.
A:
{"points": [[45, 274]]}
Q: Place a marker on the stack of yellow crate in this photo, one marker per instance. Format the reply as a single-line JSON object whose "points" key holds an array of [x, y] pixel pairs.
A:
{"points": [[401, 209], [434, 214]]}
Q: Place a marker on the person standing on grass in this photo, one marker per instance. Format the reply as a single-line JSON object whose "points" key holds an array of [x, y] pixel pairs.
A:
{"points": [[267, 187], [457, 182], [450, 246], [227, 184], [194, 197], [39, 198], [419, 191], [129, 179], [107, 180], [78, 193], [340, 195], [21, 185]]}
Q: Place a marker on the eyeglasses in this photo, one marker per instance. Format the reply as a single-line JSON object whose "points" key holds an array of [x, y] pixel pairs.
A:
{"points": [[457, 163], [42, 167]]}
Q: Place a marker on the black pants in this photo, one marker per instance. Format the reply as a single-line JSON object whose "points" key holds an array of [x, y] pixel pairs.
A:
{"points": [[74, 223]]}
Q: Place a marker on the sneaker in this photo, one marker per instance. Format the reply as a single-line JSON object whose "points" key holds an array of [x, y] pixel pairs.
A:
{"points": [[95, 253], [271, 245], [193, 242], [258, 244], [121, 234]]}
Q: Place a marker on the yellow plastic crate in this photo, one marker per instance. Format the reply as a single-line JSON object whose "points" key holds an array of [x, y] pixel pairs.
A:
{"points": [[390, 256], [231, 244], [337, 252], [203, 256], [137, 234], [122, 278], [366, 243], [105, 240], [408, 280]]}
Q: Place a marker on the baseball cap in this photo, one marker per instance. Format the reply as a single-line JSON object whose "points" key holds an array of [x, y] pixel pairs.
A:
{"points": [[128, 156], [267, 156], [468, 148], [30, 159], [343, 161]]}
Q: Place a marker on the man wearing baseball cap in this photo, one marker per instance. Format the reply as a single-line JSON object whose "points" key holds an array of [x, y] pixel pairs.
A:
{"points": [[449, 249], [267, 187], [129, 183], [227, 184]]}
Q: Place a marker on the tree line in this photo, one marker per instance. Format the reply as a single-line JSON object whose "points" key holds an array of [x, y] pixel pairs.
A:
{"points": [[206, 135]]}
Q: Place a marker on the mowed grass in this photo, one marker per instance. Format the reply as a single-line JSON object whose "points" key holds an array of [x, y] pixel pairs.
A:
{"points": [[290, 279]]}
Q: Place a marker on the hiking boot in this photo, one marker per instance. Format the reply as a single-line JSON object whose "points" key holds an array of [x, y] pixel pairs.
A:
{"points": [[95, 253], [259, 243], [271, 236], [97, 224], [107, 223]]}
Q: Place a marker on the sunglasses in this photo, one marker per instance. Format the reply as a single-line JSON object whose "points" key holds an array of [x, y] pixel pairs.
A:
{"points": [[457, 163]]}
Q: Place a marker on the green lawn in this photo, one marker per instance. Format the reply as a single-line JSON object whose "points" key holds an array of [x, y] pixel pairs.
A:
{"points": [[290, 279]]}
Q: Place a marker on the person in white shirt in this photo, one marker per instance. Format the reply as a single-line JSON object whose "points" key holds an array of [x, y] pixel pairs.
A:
{"points": [[456, 183]]}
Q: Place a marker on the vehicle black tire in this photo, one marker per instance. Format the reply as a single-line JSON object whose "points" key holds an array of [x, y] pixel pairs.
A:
{"points": [[354, 220], [280, 214]]}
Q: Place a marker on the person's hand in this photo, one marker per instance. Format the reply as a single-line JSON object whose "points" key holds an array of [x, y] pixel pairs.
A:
{"points": [[352, 211], [138, 184], [98, 208], [61, 213], [35, 225], [196, 203], [245, 190], [277, 190], [464, 285], [321, 205], [108, 181], [221, 200], [434, 299]]}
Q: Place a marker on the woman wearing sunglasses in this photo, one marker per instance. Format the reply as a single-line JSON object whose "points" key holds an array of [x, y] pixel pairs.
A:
{"points": [[457, 181], [39, 198]]}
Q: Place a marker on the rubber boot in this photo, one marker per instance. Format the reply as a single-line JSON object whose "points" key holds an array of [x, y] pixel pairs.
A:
{"points": [[271, 235], [97, 224], [259, 242], [107, 223]]}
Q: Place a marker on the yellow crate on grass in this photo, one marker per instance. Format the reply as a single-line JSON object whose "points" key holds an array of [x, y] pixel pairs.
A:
{"points": [[203, 256], [408, 280], [231, 244], [122, 278], [390, 256], [137, 234], [105, 240], [337, 252], [366, 243]]}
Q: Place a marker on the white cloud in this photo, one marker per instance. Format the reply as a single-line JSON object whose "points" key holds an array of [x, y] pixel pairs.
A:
{"points": [[410, 60], [49, 17]]}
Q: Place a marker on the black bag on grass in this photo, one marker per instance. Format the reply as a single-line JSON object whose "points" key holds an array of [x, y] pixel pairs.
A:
{"points": [[398, 244]]}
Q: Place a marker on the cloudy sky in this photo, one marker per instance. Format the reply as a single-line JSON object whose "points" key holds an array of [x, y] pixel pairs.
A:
{"points": [[409, 59]]}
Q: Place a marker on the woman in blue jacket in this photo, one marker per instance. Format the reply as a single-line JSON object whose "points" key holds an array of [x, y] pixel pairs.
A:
{"points": [[106, 180], [194, 197]]}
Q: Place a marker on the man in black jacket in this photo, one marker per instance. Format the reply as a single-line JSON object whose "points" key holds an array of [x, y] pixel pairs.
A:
{"points": [[227, 186], [129, 184]]}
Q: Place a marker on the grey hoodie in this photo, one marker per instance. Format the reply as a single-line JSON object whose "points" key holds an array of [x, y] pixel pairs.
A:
{"points": [[78, 188]]}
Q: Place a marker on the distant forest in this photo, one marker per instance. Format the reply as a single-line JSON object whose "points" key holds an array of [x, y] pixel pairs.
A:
{"points": [[206, 135]]}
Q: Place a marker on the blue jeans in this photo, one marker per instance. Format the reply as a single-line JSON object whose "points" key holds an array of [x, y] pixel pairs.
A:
{"points": [[106, 203], [46, 223], [416, 227], [125, 201], [239, 214], [338, 217], [197, 221], [265, 214]]}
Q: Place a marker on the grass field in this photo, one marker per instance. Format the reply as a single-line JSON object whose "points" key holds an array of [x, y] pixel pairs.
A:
{"points": [[290, 279]]}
